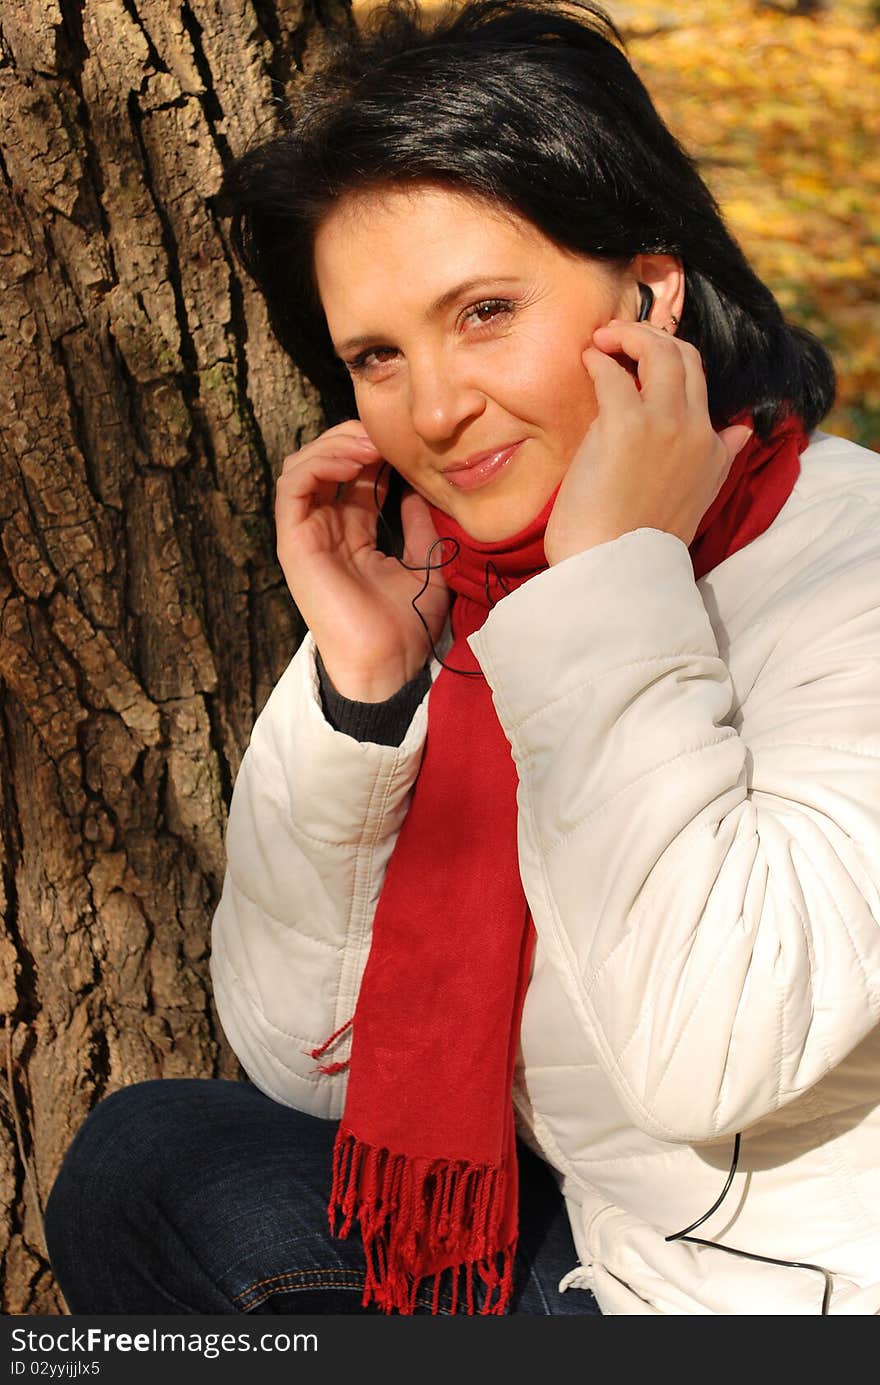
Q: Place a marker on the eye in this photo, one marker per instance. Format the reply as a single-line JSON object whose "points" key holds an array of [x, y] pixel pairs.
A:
{"points": [[489, 311], [371, 361]]}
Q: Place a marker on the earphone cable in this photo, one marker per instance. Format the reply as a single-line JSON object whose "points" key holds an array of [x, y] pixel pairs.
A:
{"points": [[748, 1254], [428, 567], [685, 1234]]}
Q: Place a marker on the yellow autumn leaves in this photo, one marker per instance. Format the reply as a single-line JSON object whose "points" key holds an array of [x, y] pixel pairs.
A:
{"points": [[783, 115]]}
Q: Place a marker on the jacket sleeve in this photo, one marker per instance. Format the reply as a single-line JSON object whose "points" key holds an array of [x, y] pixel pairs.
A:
{"points": [[704, 879], [312, 824]]}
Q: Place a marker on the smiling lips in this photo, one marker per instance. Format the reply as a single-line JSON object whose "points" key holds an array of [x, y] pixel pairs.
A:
{"points": [[481, 467]]}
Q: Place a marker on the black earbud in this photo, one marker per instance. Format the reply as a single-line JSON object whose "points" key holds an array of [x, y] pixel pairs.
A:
{"points": [[647, 302]]}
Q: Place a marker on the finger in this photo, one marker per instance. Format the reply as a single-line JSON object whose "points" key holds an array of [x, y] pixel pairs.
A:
{"points": [[658, 356], [365, 493], [368, 489], [419, 532], [696, 387], [735, 439], [316, 479], [614, 385], [335, 445]]}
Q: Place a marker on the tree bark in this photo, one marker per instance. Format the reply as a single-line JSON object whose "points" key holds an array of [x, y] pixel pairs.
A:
{"points": [[144, 619]]}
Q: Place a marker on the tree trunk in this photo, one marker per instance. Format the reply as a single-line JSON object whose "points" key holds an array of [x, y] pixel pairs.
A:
{"points": [[144, 619]]}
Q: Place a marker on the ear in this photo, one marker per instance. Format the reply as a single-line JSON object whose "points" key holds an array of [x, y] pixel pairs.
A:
{"points": [[664, 276]]}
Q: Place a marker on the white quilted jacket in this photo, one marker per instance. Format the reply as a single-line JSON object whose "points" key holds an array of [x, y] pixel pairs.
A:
{"points": [[699, 842]]}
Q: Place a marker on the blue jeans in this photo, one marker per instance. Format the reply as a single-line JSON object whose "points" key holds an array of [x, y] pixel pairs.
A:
{"points": [[203, 1196]]}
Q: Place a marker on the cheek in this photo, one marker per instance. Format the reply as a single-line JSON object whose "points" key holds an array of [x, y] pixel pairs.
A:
{"points": [[581, 409], [385, 420], [375, 414], [552, 390]]}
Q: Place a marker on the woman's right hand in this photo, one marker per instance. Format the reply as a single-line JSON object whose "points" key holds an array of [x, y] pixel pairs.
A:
{"points": [[355, 600]]}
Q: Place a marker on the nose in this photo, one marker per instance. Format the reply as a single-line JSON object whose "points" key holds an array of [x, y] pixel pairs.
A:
{"points": [[442, 397]]}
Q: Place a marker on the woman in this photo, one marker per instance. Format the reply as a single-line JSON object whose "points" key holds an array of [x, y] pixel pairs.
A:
{"points": [[572, 804]]}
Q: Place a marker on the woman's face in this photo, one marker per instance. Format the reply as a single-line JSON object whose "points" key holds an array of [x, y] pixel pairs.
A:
{"points": [[463, 327]]}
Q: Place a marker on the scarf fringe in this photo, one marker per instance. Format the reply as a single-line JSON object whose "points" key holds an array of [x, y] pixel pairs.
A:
{"points": [[332, 1068], [420, 1217]]}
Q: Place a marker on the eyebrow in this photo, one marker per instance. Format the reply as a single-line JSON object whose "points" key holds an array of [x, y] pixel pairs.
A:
{"points": [[438, 306]]}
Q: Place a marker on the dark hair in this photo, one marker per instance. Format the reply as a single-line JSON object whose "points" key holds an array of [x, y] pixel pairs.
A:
{"points": [[534, 106]]}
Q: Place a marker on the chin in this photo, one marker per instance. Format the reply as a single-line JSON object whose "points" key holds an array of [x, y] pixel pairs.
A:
{"points": [[502, 520], [489, 531]]}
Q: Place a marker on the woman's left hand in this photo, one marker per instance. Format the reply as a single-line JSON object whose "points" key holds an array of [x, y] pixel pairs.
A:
{"points": [[651, 458]]}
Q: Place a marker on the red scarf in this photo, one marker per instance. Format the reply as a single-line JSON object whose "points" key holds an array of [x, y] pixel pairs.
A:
{"points": [[754, 491], [425, 1157]]}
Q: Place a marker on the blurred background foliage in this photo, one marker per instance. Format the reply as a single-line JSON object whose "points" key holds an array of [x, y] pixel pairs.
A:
{"points": [[780, 105]]}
